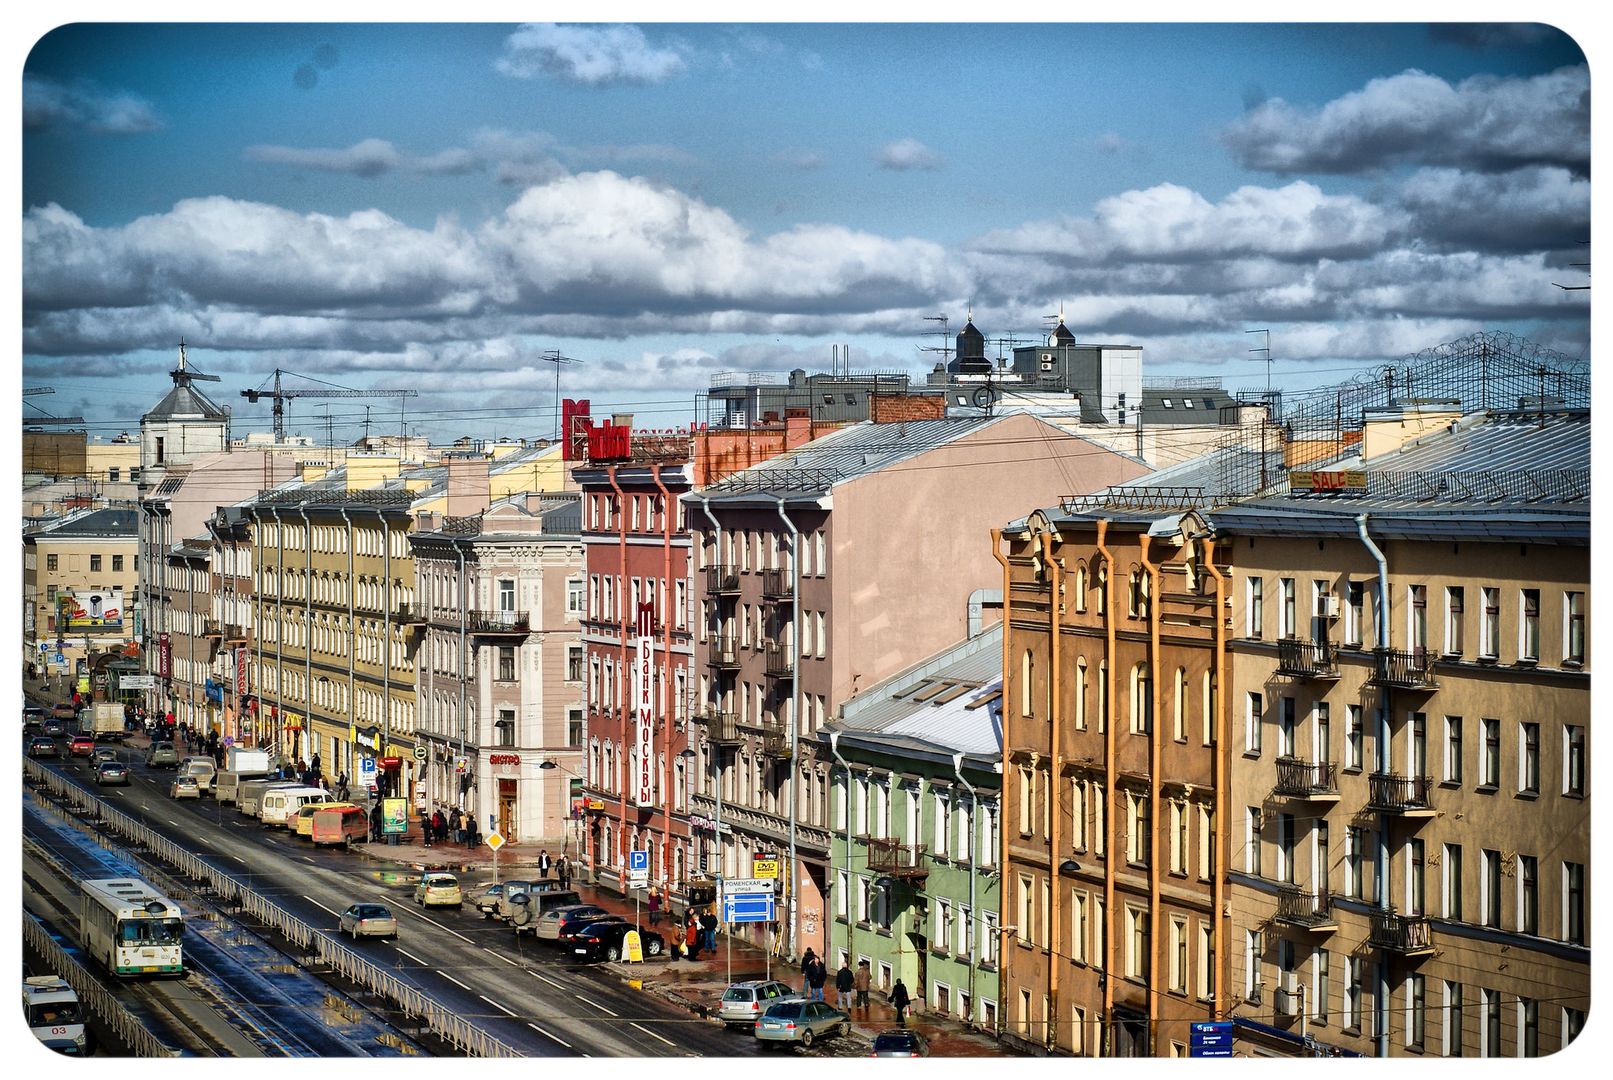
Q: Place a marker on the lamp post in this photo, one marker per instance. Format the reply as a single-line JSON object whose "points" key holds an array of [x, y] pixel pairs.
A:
{"points": [[565, 840]]}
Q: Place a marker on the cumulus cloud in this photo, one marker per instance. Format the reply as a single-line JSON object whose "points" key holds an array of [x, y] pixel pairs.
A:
{"points": [[905, 154], [1525, 210], [47, 103], [1484, 123], [589, 55]]}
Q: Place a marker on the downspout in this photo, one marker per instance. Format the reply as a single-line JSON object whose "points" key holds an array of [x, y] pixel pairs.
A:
{"points": [[623, 619], [386, 649], [352, 628], [716, 745], [1055, 764], [795, 712], [1008, 613], [308, 626], [1110, 769], [464, 666], [974, 815], [279, 633], [1379, 884], [666, 657], [1219, 751], [851, 920], [1155, 811]]}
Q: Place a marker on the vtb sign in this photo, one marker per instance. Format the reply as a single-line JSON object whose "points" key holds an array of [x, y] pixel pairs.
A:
{"points": [[644, 705]]}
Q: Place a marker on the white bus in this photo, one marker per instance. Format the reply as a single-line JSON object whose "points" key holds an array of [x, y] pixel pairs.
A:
{"points": [[130, 927]]}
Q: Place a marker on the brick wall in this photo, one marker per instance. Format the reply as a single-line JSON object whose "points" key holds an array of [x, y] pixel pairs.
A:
{"points": [[898, 408]]}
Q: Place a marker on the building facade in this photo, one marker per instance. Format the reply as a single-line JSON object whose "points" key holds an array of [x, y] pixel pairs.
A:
{"points": [[80, 576]]}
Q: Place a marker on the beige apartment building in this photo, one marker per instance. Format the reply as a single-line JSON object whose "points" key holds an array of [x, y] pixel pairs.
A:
{"points": [[79, 579]]}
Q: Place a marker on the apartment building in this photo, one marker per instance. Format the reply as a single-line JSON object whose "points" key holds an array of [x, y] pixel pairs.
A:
{"points": [[79, 578], [233, 627], [500, 666], [824, 571]]}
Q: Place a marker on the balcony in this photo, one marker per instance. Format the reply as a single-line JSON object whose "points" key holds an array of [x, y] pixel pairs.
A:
{"points": [[408, 614], [888, 855], [1313, 780], [779, 664], [1307, 659], [722, 581], [776, 585], [1305, 909], [722, 727], [724, 652], [212, 628], [489, 623], [1408, 796], [1408, 670], [1407, 935], [234, 635], [776, 742]]}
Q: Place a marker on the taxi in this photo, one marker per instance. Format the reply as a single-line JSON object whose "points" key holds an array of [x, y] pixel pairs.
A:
{"points": [[437, 889]]}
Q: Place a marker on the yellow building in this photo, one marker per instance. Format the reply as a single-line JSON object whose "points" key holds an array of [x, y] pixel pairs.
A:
{"points": [[79, 582]]}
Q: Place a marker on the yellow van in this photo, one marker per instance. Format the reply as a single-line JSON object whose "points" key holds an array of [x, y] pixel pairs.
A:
{"points": [[305, 814]]}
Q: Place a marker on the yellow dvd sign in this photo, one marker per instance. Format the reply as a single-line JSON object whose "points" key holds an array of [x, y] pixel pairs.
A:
{"points": [[764, 868]]}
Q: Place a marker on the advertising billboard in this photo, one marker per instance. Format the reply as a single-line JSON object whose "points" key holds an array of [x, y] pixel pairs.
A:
{"points": [[644, 706], [93, 610]]}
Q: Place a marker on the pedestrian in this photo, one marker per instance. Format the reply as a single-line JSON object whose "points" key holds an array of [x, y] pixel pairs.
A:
{"points": [[473, 834], [817, 974], [459, 827], [861, 983], [844, 981], [426, 829], [438, 827], [544, 862], [654, 904], [900, 1001], [806, 965], [563, 870], [691, 937], [708, 925], [375, 823]]}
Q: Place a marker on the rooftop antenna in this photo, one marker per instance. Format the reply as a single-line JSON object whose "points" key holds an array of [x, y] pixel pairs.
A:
{"points": [[1265, 351], [1056, 320], [945, 348], [552, 356], [1576, 288]]}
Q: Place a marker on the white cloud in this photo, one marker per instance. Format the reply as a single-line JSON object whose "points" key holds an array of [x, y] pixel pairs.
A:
{"points": [[905, 154], [47, 103], [590, 55]]}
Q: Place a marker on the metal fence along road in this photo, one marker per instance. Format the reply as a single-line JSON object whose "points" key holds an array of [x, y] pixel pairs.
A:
{"points": [[92, 995], [322, 949]]}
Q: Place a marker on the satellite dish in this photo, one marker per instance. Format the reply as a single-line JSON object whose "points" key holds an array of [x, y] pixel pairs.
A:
{"points": [[982, 398]]}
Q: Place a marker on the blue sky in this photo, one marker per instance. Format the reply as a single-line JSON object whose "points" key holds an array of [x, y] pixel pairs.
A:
{"points": [[435, 206]]}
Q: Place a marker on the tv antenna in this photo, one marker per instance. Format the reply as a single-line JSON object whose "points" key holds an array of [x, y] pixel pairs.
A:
{"points": [[945, 348], [553, 356]]}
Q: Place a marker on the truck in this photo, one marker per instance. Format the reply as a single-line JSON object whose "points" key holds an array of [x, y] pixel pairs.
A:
{"points": [[227, 784], [104, 720], [241, 759]]}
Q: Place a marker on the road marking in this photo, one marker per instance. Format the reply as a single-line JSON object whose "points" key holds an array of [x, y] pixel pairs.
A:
{"points": [[551, 982], [501, 956], [495, 1005], [411, 956], [307, 858], [596, 1005], [456, 982], [317, 904], [440, 926], [650, 1033], [546, 1035], [174, 823], [238, 859]]}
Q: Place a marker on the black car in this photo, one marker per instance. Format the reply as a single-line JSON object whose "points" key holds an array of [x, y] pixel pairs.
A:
{"points": [[900, 1042], [571, 927], [605, 941], [39, 746], [53, 726]]}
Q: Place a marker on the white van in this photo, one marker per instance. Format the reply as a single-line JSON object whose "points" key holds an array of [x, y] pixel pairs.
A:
{"points": [[202, 769], [280, 805]]}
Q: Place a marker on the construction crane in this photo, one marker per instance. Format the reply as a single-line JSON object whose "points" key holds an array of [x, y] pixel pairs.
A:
{"points": [[46, 419], [280, 396]]}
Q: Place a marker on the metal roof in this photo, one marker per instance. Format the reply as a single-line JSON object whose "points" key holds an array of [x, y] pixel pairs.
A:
{"points": [[186, 402], [109, 521]]}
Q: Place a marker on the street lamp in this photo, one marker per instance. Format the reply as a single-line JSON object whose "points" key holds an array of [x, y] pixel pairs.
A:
{"points": [[548, 765]]}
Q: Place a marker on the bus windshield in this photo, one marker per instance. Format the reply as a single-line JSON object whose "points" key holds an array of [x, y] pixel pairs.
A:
{"points": [[150, 931]]}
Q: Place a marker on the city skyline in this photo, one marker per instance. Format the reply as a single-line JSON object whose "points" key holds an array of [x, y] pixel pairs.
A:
{"points": [[434, 207]]}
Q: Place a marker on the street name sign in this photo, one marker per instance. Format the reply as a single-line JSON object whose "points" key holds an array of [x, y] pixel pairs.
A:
{"points": [[737, 887]]}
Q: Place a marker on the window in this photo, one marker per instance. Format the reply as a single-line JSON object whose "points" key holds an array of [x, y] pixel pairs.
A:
{"points": [[506, 663], [1322, 738], [1285, 848], [1321, 989], [1178, 955], [1416, 1014], [1027, 671], [95, 564], [1137, 947], [1453, 749], [1179, 819], [1490, 763], [1206, 843], [574, 663], [1450, 871], [1490, 625], [1179, 706], [1529, 759], [1417, 625], [1206, 967], [1251, 965], [1452, 1044], [1256, 608], [51, 562], [988, 937], [1573, 759], [1574, 903], [1251, 841], [1141, 839], [1490, 888], [1078, 926], [1142, 701], [1026, 900], [1354, 592], [1573, 628], [506, 596], [574, 727], [1528, 894], [1285, 730], [1289, 615], [1350, 1014], [1321, 857], [943, 925], [1490, 1015], [1528, 1027], [117, 564], [1027, 793], [1528, 624], [1573, 1023], [1454, 599], [1078, 815], [1352, 740], [1251, 724], [574, 596], [1354, 847]]}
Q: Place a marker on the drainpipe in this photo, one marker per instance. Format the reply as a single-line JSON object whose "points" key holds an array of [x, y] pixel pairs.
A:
{"points": [[352, 629], [280, 630], [622, 623], [851, 920], [666, 656], [308, 625], [795, 711], [1220, 751], [1055, 754], [1379, 885], [1110, 769], [716, 746], [1008, 612], [386, 631], [973, 616], [974, 841], [464, 665], [1155, 752]]}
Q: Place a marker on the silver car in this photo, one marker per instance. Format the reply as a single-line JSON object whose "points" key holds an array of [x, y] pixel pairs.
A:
{"points": [[801, 1022], [548, 924], [744, 1002], [368, 920]]}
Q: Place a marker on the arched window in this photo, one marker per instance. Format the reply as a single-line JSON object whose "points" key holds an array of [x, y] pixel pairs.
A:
{"points": [[1081, 588], [1081, 694], [1142, 706], [1027, 669], [1179, 712]]}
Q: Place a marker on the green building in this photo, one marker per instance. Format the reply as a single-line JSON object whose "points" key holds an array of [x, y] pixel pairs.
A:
{"points": [[916, 784]]}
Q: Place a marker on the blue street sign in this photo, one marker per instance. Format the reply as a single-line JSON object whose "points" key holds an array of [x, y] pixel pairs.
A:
{"points": [[745, 909], [1210, 1039], [638, 860]]}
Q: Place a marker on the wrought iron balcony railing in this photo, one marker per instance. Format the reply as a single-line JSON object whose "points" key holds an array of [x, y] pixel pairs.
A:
{"points": [[1408, 669], [1301, 779], [722, 727], [889, 855], [724, 652], [497, 622], [721, 580], [779, 662], [1307, 659], [777, 585], [1408, 935], [1312, 910], [1409, 795]]}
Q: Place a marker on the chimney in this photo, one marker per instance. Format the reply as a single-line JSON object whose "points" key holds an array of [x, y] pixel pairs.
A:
{"points": [[469, 489], [797, 428]]}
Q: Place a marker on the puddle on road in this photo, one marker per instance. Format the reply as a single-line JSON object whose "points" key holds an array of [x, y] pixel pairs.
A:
{"points": [[338, 1013], [281, 969], [396, 1042]]}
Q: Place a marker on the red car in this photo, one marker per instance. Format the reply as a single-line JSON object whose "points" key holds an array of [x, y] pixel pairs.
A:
{"points": [[81, 746]]}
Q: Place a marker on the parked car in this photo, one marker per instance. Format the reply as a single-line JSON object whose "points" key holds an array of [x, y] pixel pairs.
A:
{"points": [[527, 908], [571, 927], [63, 710], [801, 1022], [102, 753], [900, 1042], [607, 941], [81, 746], [744, 1002], [184, 787], [339, 825], [162, 754], [368, 920], [490, 899], [39, 746], [547, 927], [305, 815], [112, 772], [438, 890]]}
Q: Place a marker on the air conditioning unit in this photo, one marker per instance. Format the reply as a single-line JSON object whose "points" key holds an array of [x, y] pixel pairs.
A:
{"points": [[1330, 605], [1288, 999]]}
